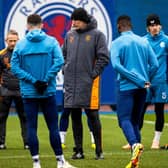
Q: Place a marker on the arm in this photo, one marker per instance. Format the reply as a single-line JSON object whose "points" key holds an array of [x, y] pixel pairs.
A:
{"points": [[64, 50], [2, 64], [153, 63], [58, 61], [1, 69], [17, 70], [132, 76], [102, 55]]}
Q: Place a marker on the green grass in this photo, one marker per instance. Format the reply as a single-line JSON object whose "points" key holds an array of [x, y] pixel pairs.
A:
{"points": [[16, 157]]}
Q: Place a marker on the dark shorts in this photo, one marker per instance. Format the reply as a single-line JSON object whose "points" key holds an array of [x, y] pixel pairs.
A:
{"points": [[158, 93]]}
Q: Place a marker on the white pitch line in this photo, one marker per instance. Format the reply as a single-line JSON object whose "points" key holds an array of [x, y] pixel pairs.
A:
{"points": [[106, 153], [115, 118], [88, 153]]}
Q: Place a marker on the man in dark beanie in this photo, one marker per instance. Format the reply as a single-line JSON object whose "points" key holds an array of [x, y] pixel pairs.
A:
{"points": [[158, 92], [80, 14], [153, 19], [86, 54]]}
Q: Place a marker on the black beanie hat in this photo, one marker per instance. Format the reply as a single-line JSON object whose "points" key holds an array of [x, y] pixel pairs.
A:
{"points": [[152, 19], [80, 14]]}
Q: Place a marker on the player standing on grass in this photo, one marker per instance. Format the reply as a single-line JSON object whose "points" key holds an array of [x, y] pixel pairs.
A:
{"points": [[86, 55], [36, 60], [158, 91], [134, 60], [63, 126], [10, 91]]}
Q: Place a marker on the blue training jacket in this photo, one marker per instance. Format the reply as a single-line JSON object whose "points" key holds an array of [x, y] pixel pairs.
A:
{"points": [[159, 43], [133, 59], [38, 56]]}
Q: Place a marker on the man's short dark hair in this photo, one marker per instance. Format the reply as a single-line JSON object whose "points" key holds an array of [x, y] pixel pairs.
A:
{"points": [[124, 20], [34, 19]]}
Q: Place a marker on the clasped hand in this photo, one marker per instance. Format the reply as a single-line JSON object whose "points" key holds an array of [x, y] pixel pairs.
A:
{"points": [[40, 86], [147, 84]]}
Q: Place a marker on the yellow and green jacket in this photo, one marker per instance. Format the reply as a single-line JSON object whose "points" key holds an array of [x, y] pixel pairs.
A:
{"points": [[9, 83]]}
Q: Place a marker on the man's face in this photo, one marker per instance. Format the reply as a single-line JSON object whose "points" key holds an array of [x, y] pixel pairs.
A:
{"points": [[11, 41], [154, 29], [78, 24]]}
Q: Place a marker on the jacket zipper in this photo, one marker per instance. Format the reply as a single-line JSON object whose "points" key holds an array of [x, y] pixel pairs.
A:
{"points": [[76, 56]]}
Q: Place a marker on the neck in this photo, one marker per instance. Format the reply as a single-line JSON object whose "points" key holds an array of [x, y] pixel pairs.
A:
{"points": [[34, 28], [31, 27]]}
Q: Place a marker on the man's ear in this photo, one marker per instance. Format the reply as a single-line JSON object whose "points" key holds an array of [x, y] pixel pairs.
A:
{"points": [[41, 25], [147, 29], [28, 27], [160, 27]]}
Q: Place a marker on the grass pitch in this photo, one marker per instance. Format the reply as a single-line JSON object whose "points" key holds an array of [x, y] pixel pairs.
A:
{"points": [[16, 157]]}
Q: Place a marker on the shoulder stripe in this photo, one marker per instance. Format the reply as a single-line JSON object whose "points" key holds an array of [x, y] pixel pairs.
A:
{"points": [[94, 102], [3, 51]]}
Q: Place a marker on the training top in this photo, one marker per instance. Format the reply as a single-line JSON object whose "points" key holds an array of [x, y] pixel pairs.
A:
{"points": [[159, 44], [38, 56], [133, 59]]}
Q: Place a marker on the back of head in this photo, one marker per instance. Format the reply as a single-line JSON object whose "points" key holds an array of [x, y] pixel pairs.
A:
{"points": [[152, 19], [34, 20], [124, 23], [34, 26], [80, 14]]}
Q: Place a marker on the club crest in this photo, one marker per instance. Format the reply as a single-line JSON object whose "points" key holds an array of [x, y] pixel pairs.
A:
{"points": [[56, 17]]}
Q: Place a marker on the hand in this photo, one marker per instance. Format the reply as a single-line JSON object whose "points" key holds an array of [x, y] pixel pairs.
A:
{"points": [[147, 85], [40, 86]]}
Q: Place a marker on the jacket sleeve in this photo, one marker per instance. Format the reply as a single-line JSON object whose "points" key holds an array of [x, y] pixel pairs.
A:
{"points": [[2, 65], [153, 63], [64, 50], [167, 59], [102, 55], [132, 76], [16, 67], [58, 61]]}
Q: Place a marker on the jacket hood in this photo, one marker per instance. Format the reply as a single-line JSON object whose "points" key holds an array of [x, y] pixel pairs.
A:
{"points": [[91, 25], [36, 35]]}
